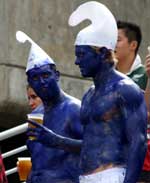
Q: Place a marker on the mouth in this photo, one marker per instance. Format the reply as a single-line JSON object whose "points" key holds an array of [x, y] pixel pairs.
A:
{"points": [[33, 107], [82, 71], [81, 68]]}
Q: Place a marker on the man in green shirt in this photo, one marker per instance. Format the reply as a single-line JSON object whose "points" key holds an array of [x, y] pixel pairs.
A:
{"points": [[129, 62]]}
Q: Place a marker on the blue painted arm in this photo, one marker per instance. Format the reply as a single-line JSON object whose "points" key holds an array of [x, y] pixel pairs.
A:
{"points": [[51, 139], [135, 113]]}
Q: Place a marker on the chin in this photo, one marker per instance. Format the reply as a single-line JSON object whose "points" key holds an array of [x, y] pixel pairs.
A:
{"points": [[85, 75]]}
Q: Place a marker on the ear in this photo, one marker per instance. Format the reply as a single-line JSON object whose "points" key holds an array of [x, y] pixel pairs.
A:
{"points": [[133, 45], [103, 52], [57, 75]]}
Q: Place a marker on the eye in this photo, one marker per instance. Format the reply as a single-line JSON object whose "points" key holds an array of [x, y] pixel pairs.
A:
{"points": [[35, 78], [33, 96], [46, 75], [119, 39], [80, 55]]}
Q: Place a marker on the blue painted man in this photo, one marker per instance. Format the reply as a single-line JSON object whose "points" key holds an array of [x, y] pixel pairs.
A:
{"points": [[113, 110], [51, 165]]}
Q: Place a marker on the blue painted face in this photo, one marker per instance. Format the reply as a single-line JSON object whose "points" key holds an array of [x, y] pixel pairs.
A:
{"points": [[88, 60], [44, 80]]}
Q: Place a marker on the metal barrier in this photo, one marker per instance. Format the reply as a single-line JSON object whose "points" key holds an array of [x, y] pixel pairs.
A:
{"points": [[13, 131], [8, 134]]}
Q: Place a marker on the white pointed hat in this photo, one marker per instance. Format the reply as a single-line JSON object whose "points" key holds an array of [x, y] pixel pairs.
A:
{"points": [[37, 56], [102, 32]]}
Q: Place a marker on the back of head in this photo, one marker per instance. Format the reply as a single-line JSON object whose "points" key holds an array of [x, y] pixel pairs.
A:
{"points": [[132, 32]]}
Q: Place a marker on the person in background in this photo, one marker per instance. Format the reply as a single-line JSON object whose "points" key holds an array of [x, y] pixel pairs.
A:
{"points": [[36, 106], [113, 110], [147, 90], [3, 178], [129, 63], [145, 175], [61, 114], [34, 101]]}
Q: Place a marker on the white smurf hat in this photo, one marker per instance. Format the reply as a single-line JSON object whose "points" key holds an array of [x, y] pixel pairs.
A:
{"points": [[102, 32], [37, 56]]}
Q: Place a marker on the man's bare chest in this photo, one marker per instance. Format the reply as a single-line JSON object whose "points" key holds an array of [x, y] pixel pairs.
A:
{"points": [[100, 106]]}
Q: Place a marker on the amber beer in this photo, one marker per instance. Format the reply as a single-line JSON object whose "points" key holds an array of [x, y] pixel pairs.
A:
{"points": [[24, 167], [37, 117]]}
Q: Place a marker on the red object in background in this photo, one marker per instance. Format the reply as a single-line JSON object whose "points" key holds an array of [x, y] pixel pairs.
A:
{"points": [[3, 178], [146, 165]]}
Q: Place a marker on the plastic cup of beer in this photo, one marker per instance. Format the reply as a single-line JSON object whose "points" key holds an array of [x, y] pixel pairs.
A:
{"points": [[37, 117], [24, 167]]}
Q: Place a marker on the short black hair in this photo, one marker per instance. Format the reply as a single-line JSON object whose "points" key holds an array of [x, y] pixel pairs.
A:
{"points": [[132, 32]]}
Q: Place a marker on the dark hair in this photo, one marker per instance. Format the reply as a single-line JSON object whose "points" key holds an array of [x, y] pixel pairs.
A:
{"points": [[109, 54], [28, 86], [132, 32]]}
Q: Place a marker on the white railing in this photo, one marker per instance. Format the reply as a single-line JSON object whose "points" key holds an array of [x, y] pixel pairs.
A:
{"points": [[13, 131], [14, 151], [10, 133]]}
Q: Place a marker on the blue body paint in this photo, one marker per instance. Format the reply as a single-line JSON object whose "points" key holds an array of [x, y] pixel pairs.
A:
{"points": [[114, 117], [62, 116]]}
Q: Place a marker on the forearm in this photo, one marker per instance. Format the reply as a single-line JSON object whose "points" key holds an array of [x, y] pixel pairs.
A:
{"points": [[69, 144], [147, 95], [60, 142], [147, 98], [136, 155], [50, 139]]}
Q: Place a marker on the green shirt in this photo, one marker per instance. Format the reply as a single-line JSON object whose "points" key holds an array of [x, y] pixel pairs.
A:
{"points": [[139, 76]]}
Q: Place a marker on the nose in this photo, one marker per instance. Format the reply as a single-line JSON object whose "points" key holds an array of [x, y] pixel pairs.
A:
{"points": [[31, 103], [41, 79], [77, 61]]}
